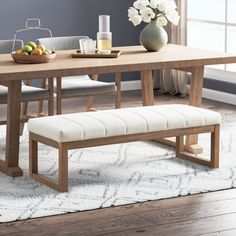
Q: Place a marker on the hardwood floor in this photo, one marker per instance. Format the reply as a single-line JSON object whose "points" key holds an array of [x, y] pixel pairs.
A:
{"points": [[211, 214]]}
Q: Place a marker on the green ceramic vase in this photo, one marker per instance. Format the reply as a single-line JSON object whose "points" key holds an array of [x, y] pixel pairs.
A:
{"points": [[153, 37]]}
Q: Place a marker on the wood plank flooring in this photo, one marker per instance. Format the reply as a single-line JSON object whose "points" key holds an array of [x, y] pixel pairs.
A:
{"points": [[211, 214]]}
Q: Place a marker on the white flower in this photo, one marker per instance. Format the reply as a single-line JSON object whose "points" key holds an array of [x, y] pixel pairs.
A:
{"points": [[173, 5], [147, 14], [162, 6], [162, 21], [136, 20], [167, 5], [173, 16], [154, 3], [163, 11], [132, 12], [141, 4]]}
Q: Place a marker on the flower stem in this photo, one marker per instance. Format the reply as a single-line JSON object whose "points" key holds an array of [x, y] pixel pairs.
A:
{"points": [[157, 13]]}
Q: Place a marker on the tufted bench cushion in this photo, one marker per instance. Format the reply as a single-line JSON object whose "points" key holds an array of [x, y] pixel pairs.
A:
{"points": [[90, 129], [85, 126]]}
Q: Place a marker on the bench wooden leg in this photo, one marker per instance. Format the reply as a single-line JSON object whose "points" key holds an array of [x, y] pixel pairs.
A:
{"points": [[179, 144], [215, 147], [62, 184], [63, 168], [214, 160], [33, 156]]}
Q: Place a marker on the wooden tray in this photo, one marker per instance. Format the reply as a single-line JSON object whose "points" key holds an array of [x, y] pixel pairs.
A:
{"points": [[114, 54], [33, 59]]}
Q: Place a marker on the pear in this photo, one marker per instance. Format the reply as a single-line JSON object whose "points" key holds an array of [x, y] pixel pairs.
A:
{"points": [[36, 51], [41, 46]]}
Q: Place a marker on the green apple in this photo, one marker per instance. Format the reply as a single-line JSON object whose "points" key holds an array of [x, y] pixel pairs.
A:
{"points": [[48, 51], [25, 53], [32, 44], [27, 49], [45, 53]]}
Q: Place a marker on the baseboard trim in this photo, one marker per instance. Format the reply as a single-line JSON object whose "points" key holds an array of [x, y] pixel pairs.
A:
{"points": [[219, 96], [131, 85]]}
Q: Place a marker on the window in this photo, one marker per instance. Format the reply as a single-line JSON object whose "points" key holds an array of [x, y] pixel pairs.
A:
{"points": [[212, 25]]}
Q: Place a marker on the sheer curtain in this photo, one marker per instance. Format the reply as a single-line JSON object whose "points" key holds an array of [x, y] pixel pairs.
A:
{"points": [[172, 81]]}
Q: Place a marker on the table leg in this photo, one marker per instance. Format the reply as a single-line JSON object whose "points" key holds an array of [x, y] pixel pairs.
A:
{"points": [[90, 100], [10, 165], [195, 99], [51, 96], [147, 88]]}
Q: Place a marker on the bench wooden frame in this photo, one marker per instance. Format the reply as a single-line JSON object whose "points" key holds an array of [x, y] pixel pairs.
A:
{"points": [[62, 184]]}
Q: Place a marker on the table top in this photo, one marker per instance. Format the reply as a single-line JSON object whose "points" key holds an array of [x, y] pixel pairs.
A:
{"points": [[133, 58]]}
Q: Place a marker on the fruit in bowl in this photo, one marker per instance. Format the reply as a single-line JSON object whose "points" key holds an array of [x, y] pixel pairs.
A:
{"points": [[28, 49], [32, 44], [41, 46], [37, 51], [33, 53]]}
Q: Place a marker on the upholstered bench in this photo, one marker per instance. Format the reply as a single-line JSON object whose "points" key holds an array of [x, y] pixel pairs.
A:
{"points": [[88, 129]]}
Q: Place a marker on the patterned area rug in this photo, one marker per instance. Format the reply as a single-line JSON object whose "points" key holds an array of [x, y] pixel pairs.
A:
{"points": [[112, 175]]}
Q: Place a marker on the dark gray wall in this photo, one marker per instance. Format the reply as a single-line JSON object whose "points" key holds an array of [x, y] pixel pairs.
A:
{"points": [[69, 17]]}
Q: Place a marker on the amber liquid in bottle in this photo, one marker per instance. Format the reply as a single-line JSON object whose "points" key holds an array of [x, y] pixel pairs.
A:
{"points": [[104, 45]]}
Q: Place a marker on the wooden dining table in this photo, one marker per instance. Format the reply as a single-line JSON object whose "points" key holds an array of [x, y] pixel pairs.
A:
{"points": [[133, 58]]}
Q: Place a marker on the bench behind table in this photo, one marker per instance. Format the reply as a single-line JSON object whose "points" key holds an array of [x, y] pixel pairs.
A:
{"points": [[81, 130]]}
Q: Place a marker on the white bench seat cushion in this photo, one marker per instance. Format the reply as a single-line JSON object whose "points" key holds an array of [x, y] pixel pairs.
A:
{"points": [[108, 123]]}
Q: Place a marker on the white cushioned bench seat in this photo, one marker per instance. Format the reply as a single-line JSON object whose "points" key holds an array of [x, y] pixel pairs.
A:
{"points": [[89, 129], [85, 126]]}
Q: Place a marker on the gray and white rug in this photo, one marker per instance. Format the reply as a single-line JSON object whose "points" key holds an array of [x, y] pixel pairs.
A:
{"points": [[112, 175]]}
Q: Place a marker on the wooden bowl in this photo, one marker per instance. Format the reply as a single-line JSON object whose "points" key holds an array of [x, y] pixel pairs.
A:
{"points": [[33, 59]]}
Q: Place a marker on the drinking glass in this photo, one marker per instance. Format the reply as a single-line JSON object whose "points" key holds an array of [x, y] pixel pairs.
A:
{"points": [[82, 43], [89, 46]]}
